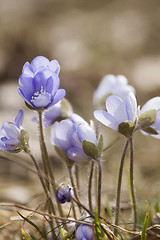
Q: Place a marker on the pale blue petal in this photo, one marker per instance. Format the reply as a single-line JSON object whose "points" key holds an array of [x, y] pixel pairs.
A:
{"points": [[63, 133], [76, 118], [27, 85], [60, 94], [56, 82], [116, 107], [11, 141], [51, 114], [54, 66], [42, 100], [85, 132], [75, 141], [24, 97], [87, 232], [39, 63], [11, 130], [131, 107], [77, 154], [27, 70], [107, 119], [2, 147], [153, 103], [19, 118], [78, 233]]}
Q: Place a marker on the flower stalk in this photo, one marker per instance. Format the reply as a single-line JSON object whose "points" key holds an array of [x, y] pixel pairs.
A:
{"points": [[132, 183], [117, 208], [46, 162], [90, 187]]}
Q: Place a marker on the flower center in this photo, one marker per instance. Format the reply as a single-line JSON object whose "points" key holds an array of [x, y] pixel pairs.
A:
{"points": [[38, 93]]}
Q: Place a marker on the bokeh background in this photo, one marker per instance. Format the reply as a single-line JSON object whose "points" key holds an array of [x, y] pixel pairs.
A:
{"points": [[89, 39]]}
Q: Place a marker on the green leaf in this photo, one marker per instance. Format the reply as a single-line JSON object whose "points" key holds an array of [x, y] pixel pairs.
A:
{"points": [[126, 128], [97, 226], [100, 145], [63, 156], [34, 225], [90, 149], [150, 130], [145, 224], [25, 234], [147, 118]]}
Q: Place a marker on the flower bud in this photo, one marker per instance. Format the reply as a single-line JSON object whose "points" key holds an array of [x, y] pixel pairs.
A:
{"points": [[64, 193]]}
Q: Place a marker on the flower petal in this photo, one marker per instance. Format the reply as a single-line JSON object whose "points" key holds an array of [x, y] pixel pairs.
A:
{"points": [[116, 107], [84, 132], [63, 132], [54, 66], [153, 103], [131, 107], [11, 130], [39, 63], [42, 100], [27, 70], [107, 119], [60, 94], [77, 154], [19, 118]]}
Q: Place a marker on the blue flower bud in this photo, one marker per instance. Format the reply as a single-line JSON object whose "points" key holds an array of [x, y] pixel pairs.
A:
{"points": [[64, 193]]}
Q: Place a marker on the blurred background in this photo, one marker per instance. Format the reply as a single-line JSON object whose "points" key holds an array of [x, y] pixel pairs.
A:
{"points": [[89, 39]]}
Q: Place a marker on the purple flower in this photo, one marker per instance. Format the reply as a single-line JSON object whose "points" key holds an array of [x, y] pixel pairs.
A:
{"points": [[110, 84], [69, 135], [84, 232], [118, 111], [11, 133], [39, 83], [64, 193]]}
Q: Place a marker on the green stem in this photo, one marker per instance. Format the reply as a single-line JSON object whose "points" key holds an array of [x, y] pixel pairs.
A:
{"points": [[46, 162], [132, 183], [90, 187], [99, 185], [117, 209]]}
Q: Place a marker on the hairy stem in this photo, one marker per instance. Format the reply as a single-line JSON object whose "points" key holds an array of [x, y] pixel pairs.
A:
{"points": [[90, 187], [132, 183], [73, 185], [46, 162], [99, 185], [117, 209]]}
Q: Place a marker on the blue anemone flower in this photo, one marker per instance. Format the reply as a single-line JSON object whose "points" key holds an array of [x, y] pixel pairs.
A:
{"points": [[11, 133], [39, 83], [69, 135]]}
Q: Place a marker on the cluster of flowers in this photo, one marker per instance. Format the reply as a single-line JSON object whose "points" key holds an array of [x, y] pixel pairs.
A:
{"points": [[39, 87]]}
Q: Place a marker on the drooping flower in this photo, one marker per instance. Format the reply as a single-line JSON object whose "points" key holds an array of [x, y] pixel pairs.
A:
{"points": [[149, 118], [64, 193], [112, 85], [11, 133], [121, 115], [69, 135], [39, 83], [84, 232]]}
